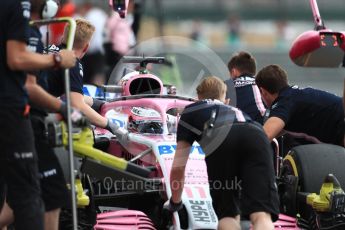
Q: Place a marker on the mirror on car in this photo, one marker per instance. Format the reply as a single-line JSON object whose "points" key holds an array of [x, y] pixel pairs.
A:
{"points": [[322, 48]]}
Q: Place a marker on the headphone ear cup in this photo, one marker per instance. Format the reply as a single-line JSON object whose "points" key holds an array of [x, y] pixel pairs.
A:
{"points": [[50, 9]]}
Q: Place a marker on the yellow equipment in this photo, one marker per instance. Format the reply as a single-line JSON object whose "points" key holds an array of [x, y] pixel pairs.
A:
{"points": [[83, 147], [331, 197]]}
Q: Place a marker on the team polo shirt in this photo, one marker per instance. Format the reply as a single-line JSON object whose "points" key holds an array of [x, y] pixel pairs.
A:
{"points": [[56, 78], [249, 98], [199, 119], [310, 113], [14, 16]]}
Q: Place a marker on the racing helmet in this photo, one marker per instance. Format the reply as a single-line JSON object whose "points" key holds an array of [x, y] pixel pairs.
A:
{"points": [[145, 120]]}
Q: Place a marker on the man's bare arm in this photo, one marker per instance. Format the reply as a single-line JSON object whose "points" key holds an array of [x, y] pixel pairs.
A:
{"points": [[273, 127], [78, 102], [41, 97], [178, 170], [18, 58], [88, 100]]}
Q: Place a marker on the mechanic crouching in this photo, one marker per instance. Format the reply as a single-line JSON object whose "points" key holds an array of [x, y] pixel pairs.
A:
{"points": [[308, 114], [236, 149], [83, 35]]}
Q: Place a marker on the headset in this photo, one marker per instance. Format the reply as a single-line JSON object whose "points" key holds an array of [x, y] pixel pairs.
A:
{"points": [[49, 9]]}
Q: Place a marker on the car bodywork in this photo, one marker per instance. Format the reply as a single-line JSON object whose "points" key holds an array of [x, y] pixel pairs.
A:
{"points": [[141, 101]]}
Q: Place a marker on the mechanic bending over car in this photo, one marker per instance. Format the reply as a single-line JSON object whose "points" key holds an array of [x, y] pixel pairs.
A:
{"points": [[312, 114], [221, 131], [18, 160], [83, 35], [242, 69]]}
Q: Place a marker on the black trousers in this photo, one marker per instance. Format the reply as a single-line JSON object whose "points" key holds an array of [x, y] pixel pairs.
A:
{"points": [[19, 170], [241, 174], [53, 184]]}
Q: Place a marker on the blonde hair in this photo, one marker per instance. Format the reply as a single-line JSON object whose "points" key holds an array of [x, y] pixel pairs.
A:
{"points": [[211, 88], [83, 33]]}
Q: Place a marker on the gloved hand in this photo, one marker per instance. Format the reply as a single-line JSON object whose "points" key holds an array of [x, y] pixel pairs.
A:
{"points": [[166, 220], [76, 116], [121, 133], [97, 105], [171, 206], [112, 127]]}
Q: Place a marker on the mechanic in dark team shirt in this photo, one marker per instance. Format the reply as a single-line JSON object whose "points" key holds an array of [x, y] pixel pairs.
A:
{"points": [[18, 161], [53, 184], [315, 115], [235, 147], [242, 69], [84, 32]]}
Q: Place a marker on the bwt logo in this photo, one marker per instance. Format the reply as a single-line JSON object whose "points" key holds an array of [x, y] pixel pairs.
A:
{"points": [[94, 91], [170, 149], [118, 122]]}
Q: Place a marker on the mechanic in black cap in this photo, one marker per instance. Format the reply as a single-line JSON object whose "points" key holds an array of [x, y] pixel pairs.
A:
{"points": [[236, 149], [87, 105], [18, 161], [314, 115], [242, 69]]}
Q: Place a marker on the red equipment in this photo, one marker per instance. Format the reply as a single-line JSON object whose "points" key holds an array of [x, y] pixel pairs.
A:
{"points": [[320, 47]]}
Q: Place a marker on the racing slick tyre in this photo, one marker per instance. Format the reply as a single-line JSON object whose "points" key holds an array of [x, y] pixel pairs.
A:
{"points": [[304, 169]]}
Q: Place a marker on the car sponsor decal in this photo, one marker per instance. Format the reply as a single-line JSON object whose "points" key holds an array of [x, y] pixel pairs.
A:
{"points": [[202, 211], [118, 122], [92, 91], [170, 149], [195, 192]]}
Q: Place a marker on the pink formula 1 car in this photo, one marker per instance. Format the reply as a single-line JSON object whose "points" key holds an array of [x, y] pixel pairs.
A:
{"points": [[309, 177], [150, 117]]}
